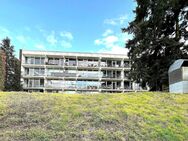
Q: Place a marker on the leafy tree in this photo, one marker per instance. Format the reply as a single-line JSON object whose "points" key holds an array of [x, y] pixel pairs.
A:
{"points": [[12, 75], [159, 30]]}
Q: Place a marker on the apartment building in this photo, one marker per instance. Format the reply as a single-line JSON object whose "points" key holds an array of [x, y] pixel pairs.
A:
{"points": [[50, 71]]}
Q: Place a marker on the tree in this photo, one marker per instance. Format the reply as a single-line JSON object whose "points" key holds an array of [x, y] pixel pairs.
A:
{"points": [[17, 85], [2, 71], [159, 30], [12, 75]]}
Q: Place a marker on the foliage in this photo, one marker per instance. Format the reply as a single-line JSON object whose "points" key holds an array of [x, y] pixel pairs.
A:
{"points": [[2, 77], [129, 116], [159, 30], [17, 84], [12, 67]]}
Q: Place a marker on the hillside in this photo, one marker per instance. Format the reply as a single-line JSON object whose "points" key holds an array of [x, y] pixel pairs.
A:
{"points": [[130, 116]]}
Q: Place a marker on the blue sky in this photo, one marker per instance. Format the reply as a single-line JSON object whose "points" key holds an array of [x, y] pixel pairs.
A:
{"points": [[66, 25]]}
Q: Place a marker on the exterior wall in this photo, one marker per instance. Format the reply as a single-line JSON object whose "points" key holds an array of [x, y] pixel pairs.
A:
{"points": [[178, 80], [179, 87], [185, 73], [75, 72], [175, 76]]}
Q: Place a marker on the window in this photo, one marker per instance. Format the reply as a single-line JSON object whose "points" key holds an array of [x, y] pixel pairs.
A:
{"points": [[61, 62], [126, 64], [31, 72], [26, 71], [72, 62], [42, 71], [36, 72], [31, 61], [56, 61], [42, 60], [50, 61], [37, 60], [41, 82], [36, 83], [30, 83]]}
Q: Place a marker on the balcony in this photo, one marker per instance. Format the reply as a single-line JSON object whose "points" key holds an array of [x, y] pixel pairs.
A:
{"points": [[111, 77], [111, 88], [33, 86]]}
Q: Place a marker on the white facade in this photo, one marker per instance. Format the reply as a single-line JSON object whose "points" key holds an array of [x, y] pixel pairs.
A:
{"points": [[178, 76], [49, 71]]}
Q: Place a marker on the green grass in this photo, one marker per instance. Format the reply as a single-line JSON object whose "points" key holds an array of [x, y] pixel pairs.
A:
{"points": [[130, 116]]}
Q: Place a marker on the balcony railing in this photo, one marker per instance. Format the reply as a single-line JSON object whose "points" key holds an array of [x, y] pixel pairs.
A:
{"points": [[87, 64], [32, 86], [110, 87], [114, 77], [61, 74]]}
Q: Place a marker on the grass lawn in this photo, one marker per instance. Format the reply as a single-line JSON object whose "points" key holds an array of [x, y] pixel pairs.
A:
{"points": [[130, 116]]}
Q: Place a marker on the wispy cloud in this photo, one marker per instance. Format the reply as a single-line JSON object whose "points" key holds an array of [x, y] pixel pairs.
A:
{"points": [[66, 39], [40, 29], [66, 44], [116, 21], [110, 21], [67, 35], [108, 41], [21, 38], [51, 39], [38, 37], [114, 50], [40, 46], [108, 32], [4, 32]]}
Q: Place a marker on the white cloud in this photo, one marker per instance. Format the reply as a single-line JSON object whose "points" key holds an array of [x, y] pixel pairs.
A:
{"points": [[115, 50], [67, 38], [116, 21], [122, 19], [67, 35], [108, 32], [114, 44], [108, 41], [111, 39], [66, 44], [110, 21], [21, 39], [40, 46], [51, 39]]}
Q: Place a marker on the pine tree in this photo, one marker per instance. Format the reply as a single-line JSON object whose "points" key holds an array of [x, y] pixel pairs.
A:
{"points": [[159, 32], [12, 74], [2, 72], [17, 85]]}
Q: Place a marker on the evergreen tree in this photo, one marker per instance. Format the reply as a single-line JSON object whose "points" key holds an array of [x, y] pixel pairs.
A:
{"points": [[2, 77], [159, 33], [17, 85], [12, 74]]}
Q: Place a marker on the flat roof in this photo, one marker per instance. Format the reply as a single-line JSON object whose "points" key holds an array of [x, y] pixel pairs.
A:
{"points": [[81, 54]]}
